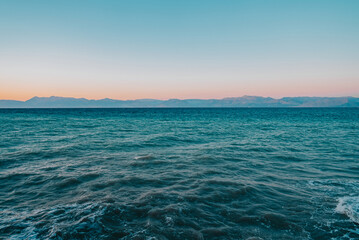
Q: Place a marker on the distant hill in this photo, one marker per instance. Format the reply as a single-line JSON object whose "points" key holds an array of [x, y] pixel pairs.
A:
{"points": [[245, 101]]}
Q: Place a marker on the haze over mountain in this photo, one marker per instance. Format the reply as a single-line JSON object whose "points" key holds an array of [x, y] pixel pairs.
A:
{"points": [[244, 101]]}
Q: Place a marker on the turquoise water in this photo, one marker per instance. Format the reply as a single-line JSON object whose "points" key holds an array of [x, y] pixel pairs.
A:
{"points": [[179, 174]]}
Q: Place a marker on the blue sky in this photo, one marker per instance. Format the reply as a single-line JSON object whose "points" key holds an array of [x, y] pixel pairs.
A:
{"points": [[178, 49]]}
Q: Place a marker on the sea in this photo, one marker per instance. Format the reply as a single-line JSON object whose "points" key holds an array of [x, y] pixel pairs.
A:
{"points": [[179, 173]]}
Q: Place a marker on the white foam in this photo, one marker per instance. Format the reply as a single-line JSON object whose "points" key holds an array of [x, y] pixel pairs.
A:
{"points": [[169, 221], [350, 207]]}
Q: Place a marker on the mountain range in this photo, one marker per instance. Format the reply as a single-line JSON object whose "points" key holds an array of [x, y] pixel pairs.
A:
{"points": [[245, 101]]}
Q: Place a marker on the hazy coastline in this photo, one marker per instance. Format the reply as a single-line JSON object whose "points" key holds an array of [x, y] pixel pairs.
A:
{"points": [[244, 101]]}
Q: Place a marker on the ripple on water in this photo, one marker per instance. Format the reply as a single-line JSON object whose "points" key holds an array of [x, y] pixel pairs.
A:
{"points": [[250, 174]]}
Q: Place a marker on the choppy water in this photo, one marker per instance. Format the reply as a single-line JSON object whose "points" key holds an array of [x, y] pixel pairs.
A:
{"points": [[179, 174]]}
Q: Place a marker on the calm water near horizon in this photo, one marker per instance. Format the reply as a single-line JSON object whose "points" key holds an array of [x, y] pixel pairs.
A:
{"points": [[273, 173]]}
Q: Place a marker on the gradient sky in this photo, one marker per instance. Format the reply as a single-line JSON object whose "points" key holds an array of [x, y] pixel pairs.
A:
{"points": [[133, 49]]}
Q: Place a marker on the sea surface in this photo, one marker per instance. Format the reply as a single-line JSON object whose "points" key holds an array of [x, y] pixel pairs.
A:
{"points": [[179, 173]]}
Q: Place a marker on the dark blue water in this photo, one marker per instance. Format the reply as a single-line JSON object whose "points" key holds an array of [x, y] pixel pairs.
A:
{"points": [[179, 174]]}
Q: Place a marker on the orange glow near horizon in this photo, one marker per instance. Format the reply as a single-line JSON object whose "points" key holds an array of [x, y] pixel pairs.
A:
{"points": [[181, 92], [178, 49]]}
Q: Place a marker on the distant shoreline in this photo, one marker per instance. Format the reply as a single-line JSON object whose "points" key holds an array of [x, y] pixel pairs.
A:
{"points": [[236, 102]]}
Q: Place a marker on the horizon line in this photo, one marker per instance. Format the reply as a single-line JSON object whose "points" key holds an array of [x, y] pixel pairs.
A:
{"points": [[178, 98]]}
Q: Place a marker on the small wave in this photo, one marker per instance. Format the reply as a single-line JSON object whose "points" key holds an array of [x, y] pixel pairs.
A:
{"points": [[350, 207], [144, 157], [150, 164], [68, 182]]}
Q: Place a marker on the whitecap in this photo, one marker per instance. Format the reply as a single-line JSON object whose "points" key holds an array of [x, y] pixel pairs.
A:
{"points": [[350, 207]]}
